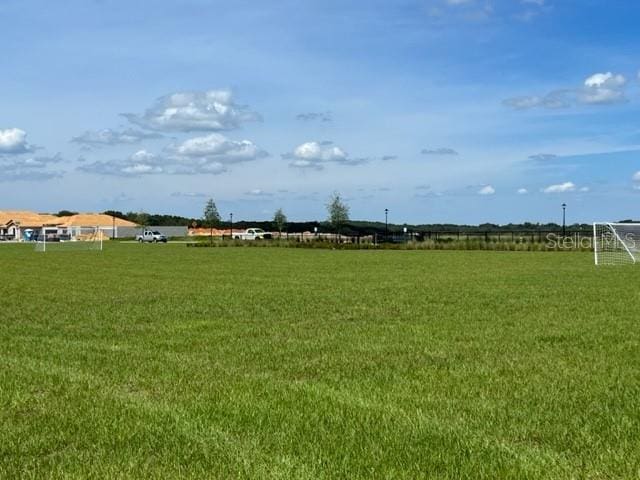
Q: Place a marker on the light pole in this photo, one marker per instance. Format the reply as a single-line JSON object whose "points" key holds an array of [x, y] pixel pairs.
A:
{"points": [[231, 215], [564, 225], [386, 222]]}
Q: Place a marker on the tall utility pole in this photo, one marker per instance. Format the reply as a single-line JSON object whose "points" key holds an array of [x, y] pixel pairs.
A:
{"points": [[564, 225], [386, 222], [231, 216]]}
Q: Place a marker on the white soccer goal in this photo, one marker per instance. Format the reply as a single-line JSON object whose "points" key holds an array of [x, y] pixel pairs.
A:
{"points": [[80, 238], [616, 243]]}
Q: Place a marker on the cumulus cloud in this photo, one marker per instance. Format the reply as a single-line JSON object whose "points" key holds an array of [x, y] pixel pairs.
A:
{"points": [[109, 137], [522, 191], [14, 141], [315, 116], [212, 110], [140, 163], [438, 151], [598, 89], [215, 148], [387, 158], [560, 188], [315, 155], [487, 190], [36, 168], [210, 154], [603, 89]]}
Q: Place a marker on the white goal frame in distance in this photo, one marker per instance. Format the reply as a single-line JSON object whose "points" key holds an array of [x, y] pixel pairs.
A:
{"points": [[609, 248], [98, 232]]}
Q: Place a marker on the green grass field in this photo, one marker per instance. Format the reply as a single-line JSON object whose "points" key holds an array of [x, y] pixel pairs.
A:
{"points": [[161, 361]]}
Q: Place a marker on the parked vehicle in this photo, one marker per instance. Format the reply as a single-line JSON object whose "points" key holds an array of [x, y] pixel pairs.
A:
{"points": [[252, 234], [151, 236]]}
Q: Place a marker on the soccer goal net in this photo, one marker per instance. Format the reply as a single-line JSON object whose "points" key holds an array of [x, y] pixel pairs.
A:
{"points": [[616, 243], [79, 238]]}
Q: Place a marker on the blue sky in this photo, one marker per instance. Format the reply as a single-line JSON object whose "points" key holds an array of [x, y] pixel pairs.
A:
{"points": [[439, 110]]}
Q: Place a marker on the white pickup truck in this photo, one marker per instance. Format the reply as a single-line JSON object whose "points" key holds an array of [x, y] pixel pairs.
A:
{"points": [[152, 236], [251, 234]]}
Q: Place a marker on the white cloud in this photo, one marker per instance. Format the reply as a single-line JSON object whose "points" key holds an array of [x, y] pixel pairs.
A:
{"points": [[140, 163], [35, 168], [314, 155], [305, 164], [522, 191], [212, 110], [14, 141], [636, 177], [598, 89], [487, 190], [316, 151], [560, 188], [216, 148], [209, 154], [603, 89], [108, 136], [142, 156], [584, 189], [608, 79]]}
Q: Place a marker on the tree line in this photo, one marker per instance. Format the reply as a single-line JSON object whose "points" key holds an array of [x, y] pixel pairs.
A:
{"points": [[338, 221]]}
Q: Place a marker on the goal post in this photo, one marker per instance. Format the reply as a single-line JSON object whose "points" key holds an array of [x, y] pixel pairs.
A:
{"points": [[78, 238], [616, 243]]}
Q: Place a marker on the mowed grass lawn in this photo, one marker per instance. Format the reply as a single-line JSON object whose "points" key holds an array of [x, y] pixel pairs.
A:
{"points": [[161, 361]]}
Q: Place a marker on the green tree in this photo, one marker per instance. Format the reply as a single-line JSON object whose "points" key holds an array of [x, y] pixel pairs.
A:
{"points": [[211, 216], [66, 213], [113, 213], [279, 220], [139, 218], [338, 212]]}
